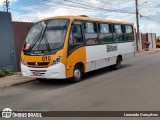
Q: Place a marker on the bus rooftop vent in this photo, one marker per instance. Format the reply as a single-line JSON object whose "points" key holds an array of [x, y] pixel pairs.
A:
{"points": [[83, 15]]}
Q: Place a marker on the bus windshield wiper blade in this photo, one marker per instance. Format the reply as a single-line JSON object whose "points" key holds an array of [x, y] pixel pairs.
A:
{"points": [[35, 40], [43, 36]]}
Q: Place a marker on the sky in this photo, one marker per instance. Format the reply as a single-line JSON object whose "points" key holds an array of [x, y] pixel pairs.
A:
{"points": [[123, 10]]}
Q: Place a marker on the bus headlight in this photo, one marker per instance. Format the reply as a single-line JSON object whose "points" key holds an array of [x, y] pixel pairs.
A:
{"points": [[23, 62], [57, 60]]}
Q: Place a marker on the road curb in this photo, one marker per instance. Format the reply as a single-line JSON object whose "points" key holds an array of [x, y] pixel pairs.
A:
{"points": [[16, 84], [137, 54], [13, 80]]}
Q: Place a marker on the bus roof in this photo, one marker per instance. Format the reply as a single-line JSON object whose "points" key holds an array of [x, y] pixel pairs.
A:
{"points": [[88, 19]]}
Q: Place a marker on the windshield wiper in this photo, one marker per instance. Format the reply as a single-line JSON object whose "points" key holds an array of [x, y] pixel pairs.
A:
{"points": [[35, 40], [44, 38]]}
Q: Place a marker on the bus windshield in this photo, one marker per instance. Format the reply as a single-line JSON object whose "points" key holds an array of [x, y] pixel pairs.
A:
{"points": [[46, 35]]}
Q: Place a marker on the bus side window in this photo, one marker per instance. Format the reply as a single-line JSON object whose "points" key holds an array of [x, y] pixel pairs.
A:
{"points": [[91, 34], [105, 33], [118, 33], [129, 33], [76, 37]]}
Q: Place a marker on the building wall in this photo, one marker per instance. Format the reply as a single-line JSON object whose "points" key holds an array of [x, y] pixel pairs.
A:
{"points": [[150, 40], [140, 42], [20, 30], [7, 45], [144, 39], [149, 37], [154, 40]]}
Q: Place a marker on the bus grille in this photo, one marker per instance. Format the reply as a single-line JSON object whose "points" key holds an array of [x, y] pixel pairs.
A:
{"points": [[38, 63]]}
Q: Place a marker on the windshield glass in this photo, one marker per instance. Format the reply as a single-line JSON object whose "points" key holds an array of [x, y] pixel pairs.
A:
{"points": [[46, 35]]}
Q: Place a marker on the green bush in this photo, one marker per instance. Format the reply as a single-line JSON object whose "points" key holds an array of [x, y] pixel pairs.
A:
{"points": [[2, 74], [5, 71]]}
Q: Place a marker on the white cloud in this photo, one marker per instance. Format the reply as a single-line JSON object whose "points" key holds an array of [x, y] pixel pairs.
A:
{"points": [[60, 7], [149, 27], [96, 3]]}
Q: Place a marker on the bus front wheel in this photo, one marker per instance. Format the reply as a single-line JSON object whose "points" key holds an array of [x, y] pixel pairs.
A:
{"points": [[41, 79], [77, 74]]}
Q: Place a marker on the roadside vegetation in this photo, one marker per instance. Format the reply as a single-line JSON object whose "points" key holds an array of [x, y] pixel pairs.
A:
{"points": [[5, 72]]}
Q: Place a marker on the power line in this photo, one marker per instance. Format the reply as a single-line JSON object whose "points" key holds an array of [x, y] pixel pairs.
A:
{"points": [[93, 8], [85, 6], [109, 3], [73, 6], [100, 8], [151, 19], [153, 22]]}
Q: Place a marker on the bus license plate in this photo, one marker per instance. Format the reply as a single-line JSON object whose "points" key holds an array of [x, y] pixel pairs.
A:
{"points": [[36, 73]]}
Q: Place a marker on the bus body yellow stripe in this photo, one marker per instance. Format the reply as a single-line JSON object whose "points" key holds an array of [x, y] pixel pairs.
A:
{"points": [[75, 57]]}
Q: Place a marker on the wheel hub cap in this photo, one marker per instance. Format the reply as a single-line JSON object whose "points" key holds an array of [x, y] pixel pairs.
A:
{"points": [[77, 73]]}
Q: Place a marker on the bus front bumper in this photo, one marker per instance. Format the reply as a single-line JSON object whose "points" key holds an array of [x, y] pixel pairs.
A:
{"points": [[53, 72]]}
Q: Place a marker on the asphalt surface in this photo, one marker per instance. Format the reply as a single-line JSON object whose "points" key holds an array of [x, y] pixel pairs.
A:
{"points": [[135, 87]]}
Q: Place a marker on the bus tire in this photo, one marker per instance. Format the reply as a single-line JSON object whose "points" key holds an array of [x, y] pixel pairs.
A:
{"points": [[118, 64], [77, 74], [41, 79]]}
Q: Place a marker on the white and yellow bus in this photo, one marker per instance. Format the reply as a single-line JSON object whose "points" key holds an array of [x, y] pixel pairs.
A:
{"points": [[68, 46]]}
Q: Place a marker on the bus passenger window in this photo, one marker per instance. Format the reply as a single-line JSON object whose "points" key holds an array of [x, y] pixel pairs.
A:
{"points": [[91, 35], [129, 33], [76, 35], [118, 33], [105, 33]]}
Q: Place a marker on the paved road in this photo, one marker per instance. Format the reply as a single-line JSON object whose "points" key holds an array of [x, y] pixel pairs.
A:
{"points": [[135, 87]]}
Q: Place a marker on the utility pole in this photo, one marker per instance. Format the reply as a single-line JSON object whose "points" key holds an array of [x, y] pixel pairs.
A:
{"points": [[6, 4], [137, 22]]}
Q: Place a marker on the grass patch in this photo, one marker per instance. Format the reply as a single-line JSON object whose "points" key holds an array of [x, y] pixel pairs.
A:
{"points": [[5, 72]]}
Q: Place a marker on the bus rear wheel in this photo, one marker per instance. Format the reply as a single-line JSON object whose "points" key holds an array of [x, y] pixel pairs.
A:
{"points": [[77, 74], [118, 64]]}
